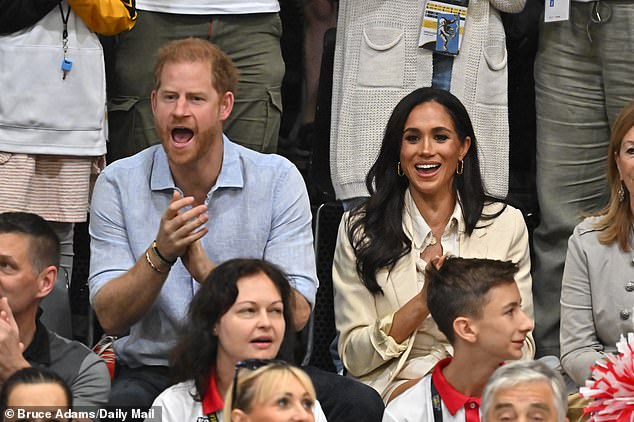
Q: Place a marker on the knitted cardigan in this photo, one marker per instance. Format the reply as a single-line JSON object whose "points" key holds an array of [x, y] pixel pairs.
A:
{"points": [[378, 62]]}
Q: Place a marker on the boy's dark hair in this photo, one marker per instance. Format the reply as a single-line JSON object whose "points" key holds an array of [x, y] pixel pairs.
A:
{"points": [[44, 248], [460, 288]]}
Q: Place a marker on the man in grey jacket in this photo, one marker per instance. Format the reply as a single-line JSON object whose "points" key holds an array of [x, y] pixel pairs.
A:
{"points": [[29, 260]]}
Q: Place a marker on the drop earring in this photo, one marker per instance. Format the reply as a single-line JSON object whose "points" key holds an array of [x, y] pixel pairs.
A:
{"points": [[621, 193]]}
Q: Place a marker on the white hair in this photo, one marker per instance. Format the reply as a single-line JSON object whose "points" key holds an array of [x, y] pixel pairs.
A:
{"points": [[523, 372]]}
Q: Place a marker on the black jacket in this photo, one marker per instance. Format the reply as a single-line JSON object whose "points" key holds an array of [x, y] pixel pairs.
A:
{"points": [[20, 14]]}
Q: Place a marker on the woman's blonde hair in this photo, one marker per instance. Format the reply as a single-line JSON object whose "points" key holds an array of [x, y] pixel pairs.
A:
{"points": [[616, 221], [258, 386]]}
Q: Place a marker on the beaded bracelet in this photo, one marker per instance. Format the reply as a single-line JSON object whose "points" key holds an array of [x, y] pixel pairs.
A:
{"points": [[149, 261], [161, 257]]}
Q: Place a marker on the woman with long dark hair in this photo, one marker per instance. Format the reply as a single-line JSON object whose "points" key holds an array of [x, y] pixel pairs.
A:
{"points": [[241, 311], [426, 199]]}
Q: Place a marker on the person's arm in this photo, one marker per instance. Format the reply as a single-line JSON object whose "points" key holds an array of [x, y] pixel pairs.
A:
{"points": [[368, 338], [290, 243], [91, 386], [19, 14], [409, 317], [580, 346], [123, 300]]}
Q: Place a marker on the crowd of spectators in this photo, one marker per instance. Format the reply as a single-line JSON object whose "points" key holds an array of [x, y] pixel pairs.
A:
{"points": [[202, 262]]}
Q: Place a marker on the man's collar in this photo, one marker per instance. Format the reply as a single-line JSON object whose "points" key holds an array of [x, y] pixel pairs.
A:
{"points": [[453, 399], [39, 350], [231, 171], [212, 400]]}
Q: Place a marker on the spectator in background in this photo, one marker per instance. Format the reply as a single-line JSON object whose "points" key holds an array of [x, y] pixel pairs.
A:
{"points": [[583, 78], [248, 32], [52, 126], [29, 258], [319, 16], [597, 296]]}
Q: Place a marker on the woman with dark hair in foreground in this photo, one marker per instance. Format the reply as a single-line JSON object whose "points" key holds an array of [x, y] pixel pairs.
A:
{"points": [[241, 312]]}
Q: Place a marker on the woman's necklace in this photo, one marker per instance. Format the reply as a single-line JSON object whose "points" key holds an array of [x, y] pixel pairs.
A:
{"points": [[433, 240]]}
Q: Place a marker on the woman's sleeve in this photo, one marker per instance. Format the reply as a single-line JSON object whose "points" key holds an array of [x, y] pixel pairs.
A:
{"points": [[363, 341], [580, 347]]}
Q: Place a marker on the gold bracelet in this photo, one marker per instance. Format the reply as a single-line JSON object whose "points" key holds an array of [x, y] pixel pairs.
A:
{"points": [[160, 255], [149, 261]]}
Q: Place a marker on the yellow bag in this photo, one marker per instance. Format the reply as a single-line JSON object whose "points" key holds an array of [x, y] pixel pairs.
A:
{"points": [[106, 17]]}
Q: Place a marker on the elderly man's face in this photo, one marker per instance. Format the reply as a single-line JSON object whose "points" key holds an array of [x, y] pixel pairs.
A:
{"points": [[522, 403]]}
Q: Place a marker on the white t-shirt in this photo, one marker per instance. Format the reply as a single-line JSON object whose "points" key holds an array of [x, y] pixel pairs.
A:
{"points": [[178, 405], [207, 7]]}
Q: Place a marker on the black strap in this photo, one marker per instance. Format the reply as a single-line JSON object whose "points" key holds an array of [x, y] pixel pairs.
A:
{"points": [[436, 402], [64, 19]]}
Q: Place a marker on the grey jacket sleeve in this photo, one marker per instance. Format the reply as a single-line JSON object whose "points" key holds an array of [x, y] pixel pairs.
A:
{"points": [[91, 386], [580, 345]]}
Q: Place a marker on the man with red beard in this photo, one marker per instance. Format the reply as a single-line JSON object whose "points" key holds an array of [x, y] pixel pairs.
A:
{"points": [[163, 218]]}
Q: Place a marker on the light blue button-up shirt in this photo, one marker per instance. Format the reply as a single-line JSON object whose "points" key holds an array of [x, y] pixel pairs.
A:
{"points": [[258, 208]]}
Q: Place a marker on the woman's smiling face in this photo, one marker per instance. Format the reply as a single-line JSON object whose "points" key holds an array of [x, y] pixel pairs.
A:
{"points": [[430, 151]]}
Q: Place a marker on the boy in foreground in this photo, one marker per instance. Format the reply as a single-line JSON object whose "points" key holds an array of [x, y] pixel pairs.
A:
{"points": [[476, 304]]}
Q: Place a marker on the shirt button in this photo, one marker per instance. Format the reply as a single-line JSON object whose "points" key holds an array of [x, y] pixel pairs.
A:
{"points": [[629, 286], [624, 314], [472, 405]]}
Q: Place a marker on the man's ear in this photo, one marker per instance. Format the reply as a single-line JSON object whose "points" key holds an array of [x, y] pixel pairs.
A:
{"points": [[465, 328], [226, 105], [238, 415], [46, 281], [153, 101]]}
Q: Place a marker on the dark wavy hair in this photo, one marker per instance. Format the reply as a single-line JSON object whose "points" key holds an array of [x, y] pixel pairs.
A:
{"points": [[375, 228], [195, 354]]}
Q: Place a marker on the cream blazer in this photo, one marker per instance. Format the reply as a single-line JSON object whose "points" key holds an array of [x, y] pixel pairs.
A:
{"points": [[363, 319]]}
